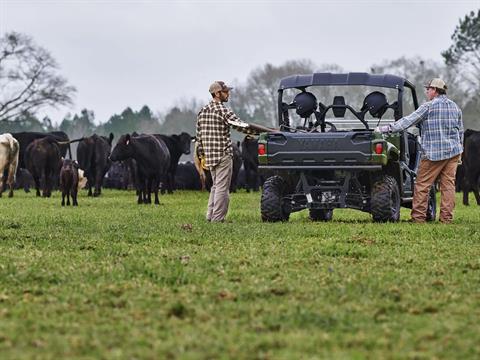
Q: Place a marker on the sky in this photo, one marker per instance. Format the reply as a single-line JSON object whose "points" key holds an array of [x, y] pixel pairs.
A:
{"points": [[161, 53]]}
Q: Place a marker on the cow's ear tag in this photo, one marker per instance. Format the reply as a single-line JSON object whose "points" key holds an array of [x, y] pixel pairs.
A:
{"points": [[128, 142]]}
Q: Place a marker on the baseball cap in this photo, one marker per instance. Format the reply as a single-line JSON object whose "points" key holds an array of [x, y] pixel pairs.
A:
{"points": [[219, 86], [437, 83]]}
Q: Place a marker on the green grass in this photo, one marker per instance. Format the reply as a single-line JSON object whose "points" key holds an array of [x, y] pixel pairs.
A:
{"points": [[112, 279]]}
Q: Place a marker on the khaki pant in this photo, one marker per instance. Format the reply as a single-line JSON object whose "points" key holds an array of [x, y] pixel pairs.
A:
{"points": [[428, 172], [219, 193]]}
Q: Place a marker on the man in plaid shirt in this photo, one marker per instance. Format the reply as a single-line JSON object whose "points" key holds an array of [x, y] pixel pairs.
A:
{"points": [[215, 147], [442, 145]]}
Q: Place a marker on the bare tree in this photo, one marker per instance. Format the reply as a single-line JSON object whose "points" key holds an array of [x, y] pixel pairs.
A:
{"points": [[28, 78]]}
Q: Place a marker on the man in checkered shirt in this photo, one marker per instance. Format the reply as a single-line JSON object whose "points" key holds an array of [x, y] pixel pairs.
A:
{"points": [[442, 145], [215, 147]]}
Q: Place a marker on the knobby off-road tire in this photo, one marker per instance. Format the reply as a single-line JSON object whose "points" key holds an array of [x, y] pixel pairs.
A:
{"points": [[321, 214], [385, 200], [271, 204], [432, 204]]}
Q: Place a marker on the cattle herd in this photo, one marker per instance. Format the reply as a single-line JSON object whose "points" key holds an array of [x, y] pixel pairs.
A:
{"points": [[147, 163]]}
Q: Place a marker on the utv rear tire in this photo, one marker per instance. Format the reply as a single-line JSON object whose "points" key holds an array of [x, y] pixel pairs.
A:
{"points": [[321, 214], [385, 200], [271, 204], [432, 204]]}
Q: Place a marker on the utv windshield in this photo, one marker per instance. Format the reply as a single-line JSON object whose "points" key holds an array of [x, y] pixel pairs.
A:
{"points": [[341, 106]]}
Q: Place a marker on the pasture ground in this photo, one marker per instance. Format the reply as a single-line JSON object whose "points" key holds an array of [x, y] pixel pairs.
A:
{"points": [[115, 280]]}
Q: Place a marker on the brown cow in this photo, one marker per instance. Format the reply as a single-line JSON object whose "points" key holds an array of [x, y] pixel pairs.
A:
{"points": [[69, 181], [9, 150]]}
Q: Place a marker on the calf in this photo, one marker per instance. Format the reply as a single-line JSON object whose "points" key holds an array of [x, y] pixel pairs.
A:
{"points": [[69, 181], [152, 161], [42, 159], [471, 165], [9, 151]]}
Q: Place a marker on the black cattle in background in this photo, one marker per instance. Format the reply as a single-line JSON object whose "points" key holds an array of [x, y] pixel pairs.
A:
{"points": [[152, 161], [25, 138], [187, 177], [459, 177], [92, 156], [177, 145], [24, 180], [237, 164], [42, 159], [250, 163], [471, 165], [121, 175]]}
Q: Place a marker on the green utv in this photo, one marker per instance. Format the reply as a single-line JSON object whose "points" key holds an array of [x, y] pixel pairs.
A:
{"points": [[326, 154]]}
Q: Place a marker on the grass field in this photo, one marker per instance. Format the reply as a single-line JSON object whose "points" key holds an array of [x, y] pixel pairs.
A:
{"points": [[115, 280]]}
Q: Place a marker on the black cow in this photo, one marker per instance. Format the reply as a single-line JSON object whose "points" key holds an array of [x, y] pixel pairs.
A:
{"points": [[26, 137], [92, 155], [42, 159], [187, 177], [471, 165], [250, 163], [177, 145], [152, 160]]}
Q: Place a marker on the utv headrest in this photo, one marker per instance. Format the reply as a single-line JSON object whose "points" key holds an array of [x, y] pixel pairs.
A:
{"points": [[376, 103], [305, 104], [339, 111]]}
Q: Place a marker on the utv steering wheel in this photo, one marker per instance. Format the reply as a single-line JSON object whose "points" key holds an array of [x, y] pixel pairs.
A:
{"points": [[333, 128]]}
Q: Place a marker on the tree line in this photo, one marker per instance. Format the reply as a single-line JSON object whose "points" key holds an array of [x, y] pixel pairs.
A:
{"points": [[30, 81]]}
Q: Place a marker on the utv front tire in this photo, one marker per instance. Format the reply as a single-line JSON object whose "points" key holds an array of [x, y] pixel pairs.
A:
{"points": [[321, 214], [385, 200], [271, 204]]}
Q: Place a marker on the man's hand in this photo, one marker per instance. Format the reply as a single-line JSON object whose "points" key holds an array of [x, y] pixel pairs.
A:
{"points": [[383, 129]]}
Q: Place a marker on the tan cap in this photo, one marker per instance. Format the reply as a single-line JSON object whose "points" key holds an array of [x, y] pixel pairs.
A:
{"points": [[219, 86], [437, 83]]}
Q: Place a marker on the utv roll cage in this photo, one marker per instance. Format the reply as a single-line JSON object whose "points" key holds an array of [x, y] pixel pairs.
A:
{"points": [[376, 108]]}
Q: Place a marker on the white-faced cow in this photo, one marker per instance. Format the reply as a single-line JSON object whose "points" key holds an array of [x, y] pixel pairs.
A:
{"points": [[177, 145], [42, 159], [9, 151], [152, 161], [93, 157], [471, 165]]}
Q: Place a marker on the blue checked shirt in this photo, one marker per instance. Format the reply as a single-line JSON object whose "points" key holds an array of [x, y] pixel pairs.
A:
{"points": [[441, 125]]}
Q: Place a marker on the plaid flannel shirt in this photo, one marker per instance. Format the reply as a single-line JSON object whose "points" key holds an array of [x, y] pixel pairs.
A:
{"points": [[441, 125], [213, 132]]}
